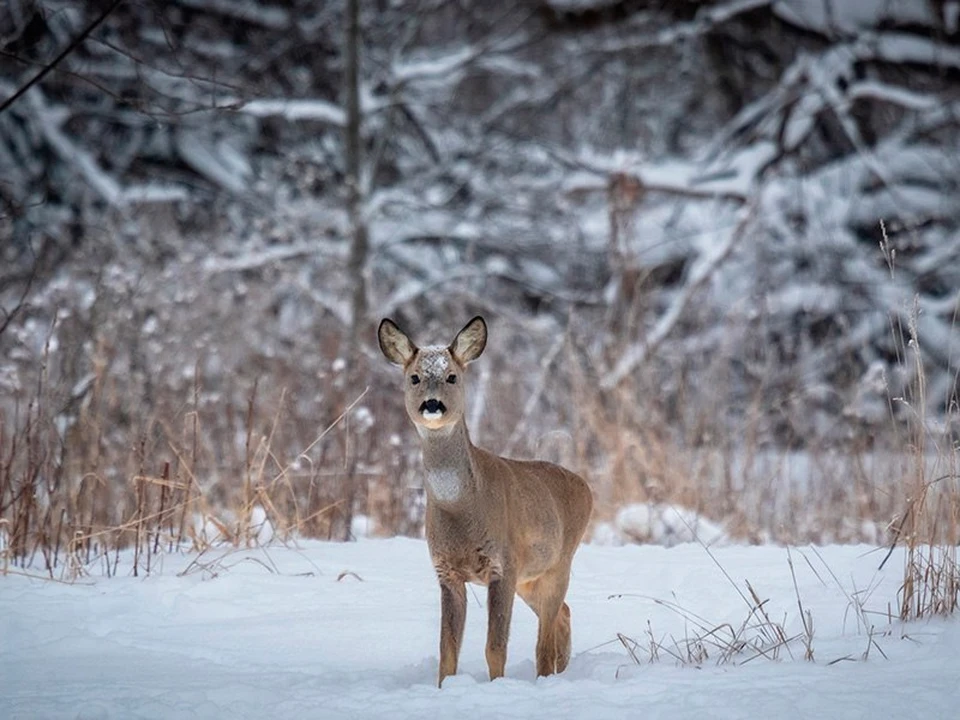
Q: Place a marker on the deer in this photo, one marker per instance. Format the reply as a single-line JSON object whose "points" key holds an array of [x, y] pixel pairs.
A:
{"points": [[511, 525]]}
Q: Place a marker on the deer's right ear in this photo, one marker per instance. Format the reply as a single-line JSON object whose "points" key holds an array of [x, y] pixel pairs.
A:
{"points": [[394, 344]]}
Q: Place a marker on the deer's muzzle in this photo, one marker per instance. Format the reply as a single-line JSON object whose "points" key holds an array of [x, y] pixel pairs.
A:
{"points": [[432, 409]]}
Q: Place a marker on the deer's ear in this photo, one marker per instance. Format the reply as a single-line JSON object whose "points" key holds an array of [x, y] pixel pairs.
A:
{"points": [[470, 341], [394, 344]]}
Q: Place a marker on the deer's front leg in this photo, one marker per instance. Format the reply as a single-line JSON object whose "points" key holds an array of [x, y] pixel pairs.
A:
{"points": [[500, 592], [453, 615]]}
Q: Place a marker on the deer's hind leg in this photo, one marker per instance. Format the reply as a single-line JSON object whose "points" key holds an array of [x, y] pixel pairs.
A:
{"points": [[562, 641], [545, 597]]}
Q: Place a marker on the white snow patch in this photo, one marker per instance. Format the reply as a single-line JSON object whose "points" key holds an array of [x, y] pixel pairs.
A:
{"points": [[361, 526], [363, 418], [850, 16], [605, 533], [271, 632], [316, 110], [435, 66], [208, 530], [661, 524], [154, 194], [215, 160], [260, 525], [951, 16]]}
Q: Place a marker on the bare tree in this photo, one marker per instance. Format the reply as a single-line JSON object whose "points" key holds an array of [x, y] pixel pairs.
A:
{"points": [[359, 238]]}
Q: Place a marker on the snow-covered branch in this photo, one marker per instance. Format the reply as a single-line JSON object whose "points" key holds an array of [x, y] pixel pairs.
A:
{"points": [[49, 120], [294, 110], [701, 271], [685, 179], [268, 16], [253, 260]]}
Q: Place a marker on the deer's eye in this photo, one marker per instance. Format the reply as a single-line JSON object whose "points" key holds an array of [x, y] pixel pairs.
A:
{"points": [[452, 379], [415, 379]]}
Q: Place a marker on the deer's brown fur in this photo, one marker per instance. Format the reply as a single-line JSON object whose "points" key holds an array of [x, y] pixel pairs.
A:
{"points": [[512, 525]]}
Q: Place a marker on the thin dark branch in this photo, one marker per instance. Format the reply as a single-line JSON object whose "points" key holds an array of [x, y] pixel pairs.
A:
{"points": [[59, 58], [9, 316]]}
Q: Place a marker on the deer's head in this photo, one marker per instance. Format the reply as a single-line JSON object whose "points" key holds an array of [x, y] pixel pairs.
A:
{"points": [[433, 375]]}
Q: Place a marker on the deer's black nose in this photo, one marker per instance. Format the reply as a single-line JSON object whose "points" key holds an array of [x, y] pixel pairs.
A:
{"points": [[432, 406]]}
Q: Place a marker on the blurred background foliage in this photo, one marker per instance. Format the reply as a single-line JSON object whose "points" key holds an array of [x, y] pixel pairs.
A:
{"points": [[716, 242]]}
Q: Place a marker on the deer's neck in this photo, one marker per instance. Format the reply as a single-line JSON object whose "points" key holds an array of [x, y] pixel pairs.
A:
{"points": [[449, 475]]}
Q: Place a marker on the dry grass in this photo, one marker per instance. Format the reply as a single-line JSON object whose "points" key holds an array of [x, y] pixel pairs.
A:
{"points": [[929, 527], [929, 515], [95, 457], [110, 461], [707, 642], [728, 471], [757, 636], [66, 508], [200, 473]]}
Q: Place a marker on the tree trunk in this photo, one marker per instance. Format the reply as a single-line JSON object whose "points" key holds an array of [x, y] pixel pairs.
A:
{"points": [[359, 241]]}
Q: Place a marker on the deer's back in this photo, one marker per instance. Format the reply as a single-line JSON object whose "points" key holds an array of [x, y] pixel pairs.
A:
{"points": [[547, 508]]}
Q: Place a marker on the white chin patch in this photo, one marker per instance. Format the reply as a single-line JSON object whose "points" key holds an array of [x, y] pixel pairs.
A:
{"points": [[436, 415]]}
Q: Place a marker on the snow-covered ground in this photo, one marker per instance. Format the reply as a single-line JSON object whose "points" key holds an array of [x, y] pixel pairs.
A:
{"points": [[351, 631]]}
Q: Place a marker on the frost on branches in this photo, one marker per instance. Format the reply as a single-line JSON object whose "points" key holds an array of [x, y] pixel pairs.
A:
{"points": [[689, 198]]}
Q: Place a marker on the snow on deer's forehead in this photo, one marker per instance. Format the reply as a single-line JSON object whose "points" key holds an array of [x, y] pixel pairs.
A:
{"points": [[434, 361]]}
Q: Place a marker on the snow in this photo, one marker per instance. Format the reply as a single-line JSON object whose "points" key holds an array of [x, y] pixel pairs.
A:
{"points": [[892, 94], [847, 17], [51, 120], [907, 48], [351, 630], [256, 12], [702, 268], [660, 523], [252, 260], [318, 110], [362, 526], [803, 297], [260, 522], [433, 67], [951, 16], [154, 194], [218, 163]]}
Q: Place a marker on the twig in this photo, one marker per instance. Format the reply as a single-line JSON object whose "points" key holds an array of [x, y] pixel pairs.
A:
{"points": [[701, 271], [59, 58], [805, 616], [9, 316]]}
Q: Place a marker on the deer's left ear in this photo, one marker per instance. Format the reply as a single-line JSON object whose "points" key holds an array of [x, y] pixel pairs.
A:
{"points": [[470, 342]]}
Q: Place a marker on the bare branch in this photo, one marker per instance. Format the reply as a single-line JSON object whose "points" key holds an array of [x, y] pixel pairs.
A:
{"points": [[8, 317], [274, 18], [74, 44], [703, 268]]}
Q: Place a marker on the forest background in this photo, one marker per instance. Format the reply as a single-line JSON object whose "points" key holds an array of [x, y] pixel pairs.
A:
{"points": [[716, 243]]}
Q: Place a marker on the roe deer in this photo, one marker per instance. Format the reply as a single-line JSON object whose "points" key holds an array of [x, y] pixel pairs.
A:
{"points": [[512, 525]]}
